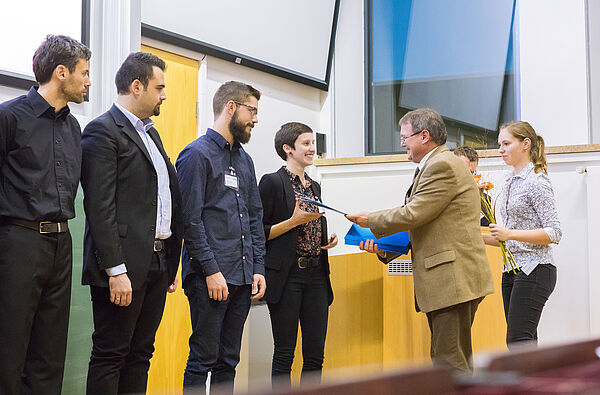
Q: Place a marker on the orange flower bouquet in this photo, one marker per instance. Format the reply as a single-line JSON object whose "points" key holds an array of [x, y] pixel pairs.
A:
{"points": [[489, 211]]}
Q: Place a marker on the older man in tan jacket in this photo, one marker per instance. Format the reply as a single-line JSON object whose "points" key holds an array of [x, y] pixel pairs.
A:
{"points": [[450, 268]]}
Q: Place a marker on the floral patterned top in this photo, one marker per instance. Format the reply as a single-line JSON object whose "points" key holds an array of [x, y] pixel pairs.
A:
{"points": [[309, 234], [527, 202]]}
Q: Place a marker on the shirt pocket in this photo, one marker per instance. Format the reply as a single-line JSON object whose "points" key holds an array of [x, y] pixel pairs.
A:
{"points": [[27, 158]]}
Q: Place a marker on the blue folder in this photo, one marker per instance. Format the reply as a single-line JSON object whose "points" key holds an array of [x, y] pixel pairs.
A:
{"points": [[397, 243]]}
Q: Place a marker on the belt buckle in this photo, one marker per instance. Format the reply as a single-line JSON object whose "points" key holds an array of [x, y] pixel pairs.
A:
{"points": [[158, 245], [42, 225], [300, 264]]}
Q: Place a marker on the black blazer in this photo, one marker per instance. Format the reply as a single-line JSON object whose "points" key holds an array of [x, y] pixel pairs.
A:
{"points": [[120, 187], [278, 202]]}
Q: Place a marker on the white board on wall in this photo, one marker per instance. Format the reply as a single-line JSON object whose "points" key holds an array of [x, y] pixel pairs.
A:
{"points": [[25, 24], [291, 35]]}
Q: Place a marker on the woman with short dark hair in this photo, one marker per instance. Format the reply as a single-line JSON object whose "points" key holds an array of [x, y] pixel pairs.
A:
{"points": [[296, 263]]}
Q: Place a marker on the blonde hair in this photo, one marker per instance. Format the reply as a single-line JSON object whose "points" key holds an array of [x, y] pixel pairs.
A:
{"points": [[523, 130]]}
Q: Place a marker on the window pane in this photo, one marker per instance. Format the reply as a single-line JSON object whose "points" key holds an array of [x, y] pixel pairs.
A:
{"points": [[453, 56]]}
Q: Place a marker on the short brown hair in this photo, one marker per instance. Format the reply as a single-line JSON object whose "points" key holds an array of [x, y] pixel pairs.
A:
{"points": [[57, 50], [467, 152], [427, 119], [137, 66], [235, 91], [288, 134]]}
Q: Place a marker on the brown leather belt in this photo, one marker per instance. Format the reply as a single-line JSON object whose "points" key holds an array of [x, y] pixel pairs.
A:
{"points": [[43, 227], [305, 262], [159, 245]]}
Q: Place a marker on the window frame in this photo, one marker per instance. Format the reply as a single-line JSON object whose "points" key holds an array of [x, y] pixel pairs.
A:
{"points": [[20, 81], [368, 76]]}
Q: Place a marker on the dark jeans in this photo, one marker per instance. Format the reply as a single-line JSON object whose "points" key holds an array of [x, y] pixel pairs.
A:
{"points": [[524, 298], [123, 338], [450, 329], [35, 293], [305, 299], [217, 334]]}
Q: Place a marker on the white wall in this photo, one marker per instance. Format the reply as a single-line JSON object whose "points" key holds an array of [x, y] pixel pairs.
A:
{"points": [[554, 93]]}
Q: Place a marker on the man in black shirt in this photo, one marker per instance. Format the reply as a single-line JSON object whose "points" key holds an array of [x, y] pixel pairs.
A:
{"points": [[40, 161], [224, 238]]}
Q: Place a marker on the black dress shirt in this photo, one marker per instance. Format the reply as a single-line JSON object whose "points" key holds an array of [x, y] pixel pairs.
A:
{"points": [[223, 225], [40, 159]]}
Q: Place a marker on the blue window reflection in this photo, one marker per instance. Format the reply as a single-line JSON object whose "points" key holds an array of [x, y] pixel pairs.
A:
{"points": [[456, 56]]}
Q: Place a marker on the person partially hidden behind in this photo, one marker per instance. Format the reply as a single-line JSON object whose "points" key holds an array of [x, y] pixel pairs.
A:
{"points": [[471, 159], [450, 269], [296, 264], [40, 162]]}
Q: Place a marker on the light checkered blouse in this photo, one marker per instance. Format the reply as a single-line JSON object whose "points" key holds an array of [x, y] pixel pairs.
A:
{"points": [[527, 202]]}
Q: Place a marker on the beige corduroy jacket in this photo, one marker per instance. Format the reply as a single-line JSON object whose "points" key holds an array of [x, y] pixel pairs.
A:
{"points": [[442, 217]]}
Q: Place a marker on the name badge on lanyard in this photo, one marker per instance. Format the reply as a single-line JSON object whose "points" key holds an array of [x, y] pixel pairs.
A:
{"points": [[231, 180]]}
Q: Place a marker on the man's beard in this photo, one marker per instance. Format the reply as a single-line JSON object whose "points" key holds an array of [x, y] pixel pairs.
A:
{"points": [[156, 111], [238, 130], [72, 94]]}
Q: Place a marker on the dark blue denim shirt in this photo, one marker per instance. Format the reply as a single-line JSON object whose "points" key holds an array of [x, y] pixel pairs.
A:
{"points": [[223, 226]]}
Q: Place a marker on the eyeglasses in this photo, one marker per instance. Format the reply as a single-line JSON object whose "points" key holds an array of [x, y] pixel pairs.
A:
{"points": [[253, 110], [403, 139]]}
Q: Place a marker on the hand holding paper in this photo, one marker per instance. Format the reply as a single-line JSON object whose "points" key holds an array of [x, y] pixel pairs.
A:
{"points": [[319, 204], [369, 246], [360, 219], [300, 216], [397, 243]]}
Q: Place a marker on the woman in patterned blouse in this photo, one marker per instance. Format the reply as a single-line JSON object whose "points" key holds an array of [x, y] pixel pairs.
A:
{"points": [[531, 224], [296, 263]]}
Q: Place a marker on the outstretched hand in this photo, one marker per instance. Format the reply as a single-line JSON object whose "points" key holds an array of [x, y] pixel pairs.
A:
{"points": [[300, 216], [360, 219]]}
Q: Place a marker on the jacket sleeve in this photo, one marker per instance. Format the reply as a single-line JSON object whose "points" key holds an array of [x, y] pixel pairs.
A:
{"points": [[266, 188], [99, 181], [435, 190]]}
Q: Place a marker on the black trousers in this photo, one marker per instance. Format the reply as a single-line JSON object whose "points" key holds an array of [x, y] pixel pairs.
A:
{"points": [[305, 299], [35, 294], [524, 297], [217, 335], [123, 338]]}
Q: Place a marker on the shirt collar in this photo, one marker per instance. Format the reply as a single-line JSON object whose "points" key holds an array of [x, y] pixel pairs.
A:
{"points": [[424, 159], [293, 176], [40, 105], [219, 139], [139, 124], [523, 173]]}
